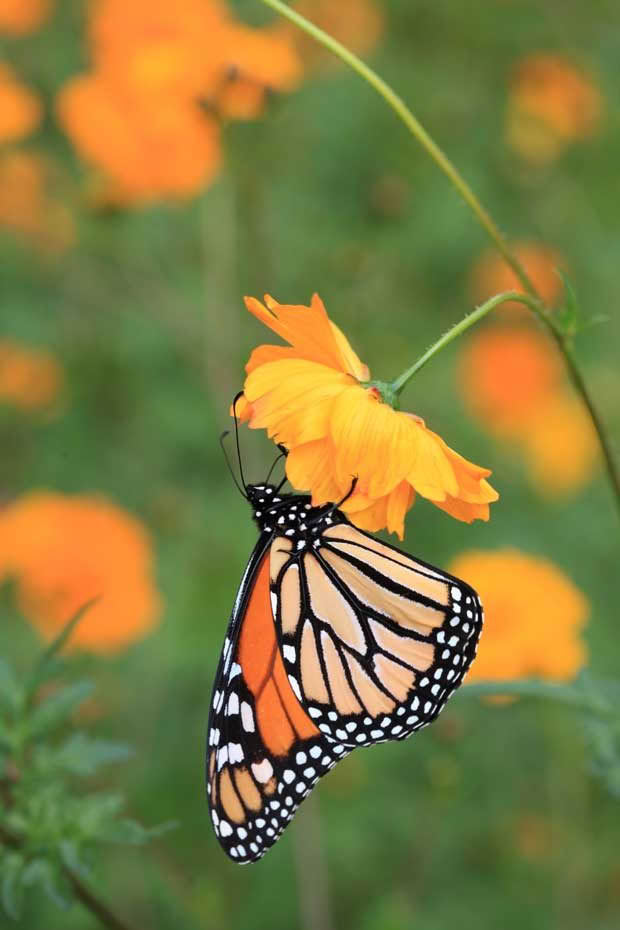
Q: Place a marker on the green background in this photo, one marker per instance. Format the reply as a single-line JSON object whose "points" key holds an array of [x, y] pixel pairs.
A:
{"points": [[491, 818]]}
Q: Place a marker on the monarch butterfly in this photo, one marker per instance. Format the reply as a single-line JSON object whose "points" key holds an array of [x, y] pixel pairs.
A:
{"points": [[335, 641]]}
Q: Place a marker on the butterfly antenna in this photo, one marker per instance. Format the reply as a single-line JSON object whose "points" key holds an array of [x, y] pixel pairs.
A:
{"points": [[230, 468], [234, 406], [278, 457]]}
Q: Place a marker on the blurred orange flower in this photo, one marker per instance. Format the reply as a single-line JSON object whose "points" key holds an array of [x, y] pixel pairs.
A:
{"points": [[551, 103], [534, 616], [26, 206], [491, 275], [146, 149], [19, 17], [154, 46], [358, 24], [30, 379], [141, 116], [62, 551], [560, 446], [512, 382], [315, 399], [505, 374], [252, 62], [20, 109], [192, 50]]}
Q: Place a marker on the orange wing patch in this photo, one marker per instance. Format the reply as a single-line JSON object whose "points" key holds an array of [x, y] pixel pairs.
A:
{"points": [[280, 717]]}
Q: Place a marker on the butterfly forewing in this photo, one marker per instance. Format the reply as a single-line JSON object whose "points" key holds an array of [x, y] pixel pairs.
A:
{"points": [[374, 641], [264, 753]]}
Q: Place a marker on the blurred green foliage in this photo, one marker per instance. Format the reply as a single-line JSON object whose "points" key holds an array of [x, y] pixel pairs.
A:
{"points": [[49, 832], [489, 818]]}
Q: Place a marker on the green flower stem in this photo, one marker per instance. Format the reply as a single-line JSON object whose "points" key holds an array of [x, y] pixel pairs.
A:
{"points": [[562, 342], [533, 688], [457, 330], [398, 105], [418, 131]]}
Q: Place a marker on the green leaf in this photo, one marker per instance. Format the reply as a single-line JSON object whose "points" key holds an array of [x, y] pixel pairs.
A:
{"points": [[45, 667], [131, 833], [11, 694], [95, 812], [57, 708], [70, 857], [81, 755], [569, 313], [48, 876], [11, 870]]}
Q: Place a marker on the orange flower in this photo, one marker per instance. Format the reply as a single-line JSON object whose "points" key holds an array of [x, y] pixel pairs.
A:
{"points": [[551, 103], [63, 551], [505, 374], [19, 17], [252, 62], [27, 208], [534, 615], [512, 382], [30, 379], [313, 398], [491, 275], [154, 46], [146, 148], [193, 49], [20, 110], [358, 24], [560, 446]]}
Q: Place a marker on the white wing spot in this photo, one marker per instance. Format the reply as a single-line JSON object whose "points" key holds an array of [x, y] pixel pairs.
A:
{"points": [[262, 771], [233, 703], [247, 717]]}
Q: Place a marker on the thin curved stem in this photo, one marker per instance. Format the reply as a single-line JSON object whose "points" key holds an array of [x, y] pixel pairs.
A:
{"points": [[398, 105], [453, 333]]}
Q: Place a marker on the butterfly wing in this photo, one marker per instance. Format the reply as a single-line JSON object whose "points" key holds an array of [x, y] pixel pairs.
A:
{"points": [[264, 753], [374, 641]]}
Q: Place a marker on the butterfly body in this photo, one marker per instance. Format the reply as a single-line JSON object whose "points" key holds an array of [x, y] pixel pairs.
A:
{"points": [[336, 641]]}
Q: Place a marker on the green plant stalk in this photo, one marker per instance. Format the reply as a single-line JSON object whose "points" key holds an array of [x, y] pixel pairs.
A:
{"points": [[397, 104], [453, 333]]}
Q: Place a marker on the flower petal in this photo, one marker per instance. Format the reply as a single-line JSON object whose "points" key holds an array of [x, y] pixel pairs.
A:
{"points": [[461, 510], [292, 398], [308, 330], [308, 467], [372, 442]]}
